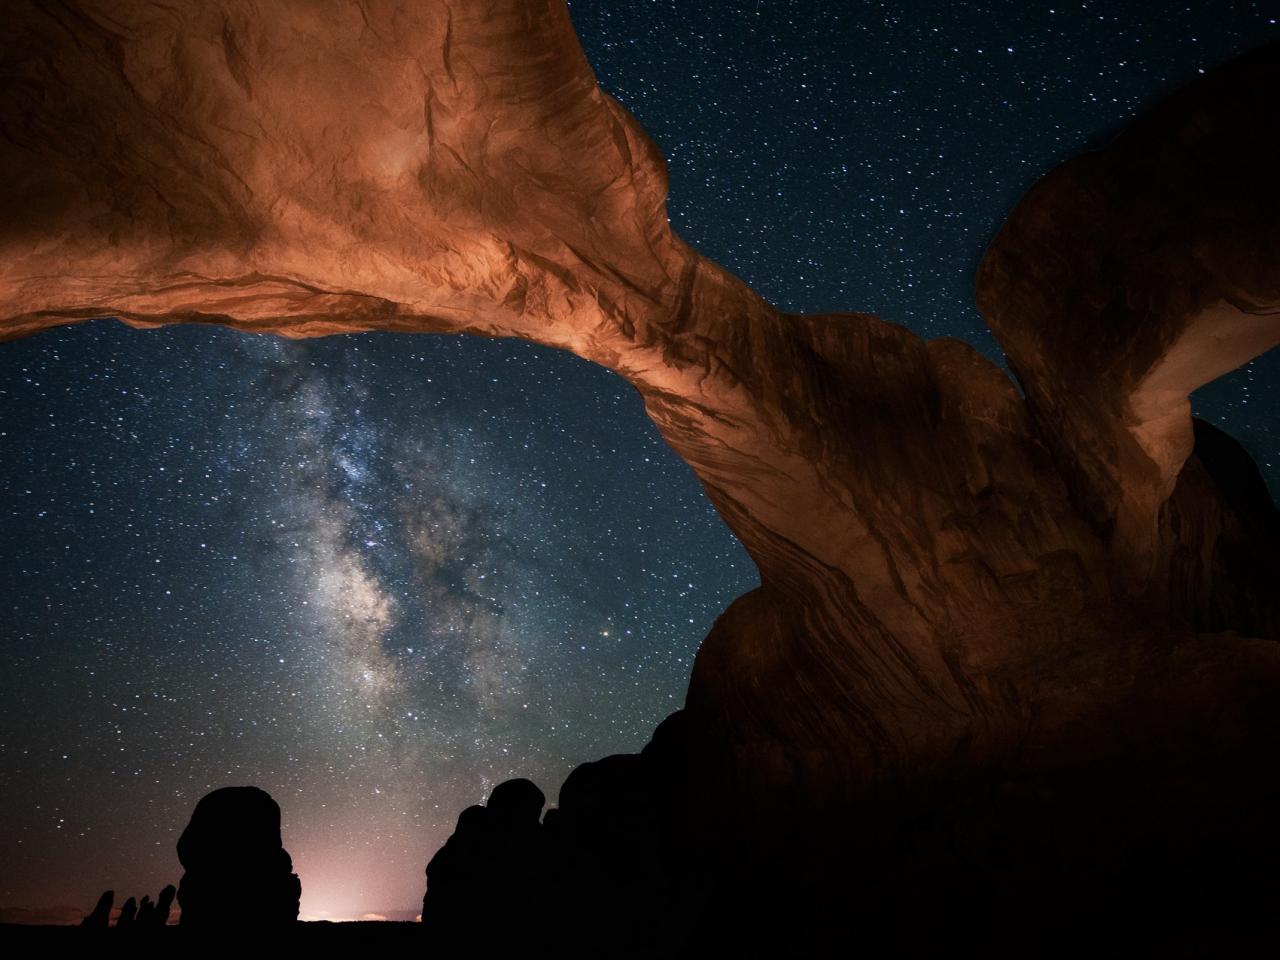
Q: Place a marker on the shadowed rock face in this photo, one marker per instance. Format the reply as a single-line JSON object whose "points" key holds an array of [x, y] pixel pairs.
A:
{"points": [[953, 578], [238, 874], [1131, 276]]}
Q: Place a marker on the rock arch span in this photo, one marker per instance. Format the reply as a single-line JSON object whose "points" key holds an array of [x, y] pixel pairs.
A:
{"points": [[950, 572]]}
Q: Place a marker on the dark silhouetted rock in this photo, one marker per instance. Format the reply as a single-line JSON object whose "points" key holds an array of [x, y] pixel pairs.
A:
{"points": [[494, 865], [457, 883], [622, 855], [146, 915], [517, 802], [612, 862], [101, 915], [237, 871], [164, 905]]}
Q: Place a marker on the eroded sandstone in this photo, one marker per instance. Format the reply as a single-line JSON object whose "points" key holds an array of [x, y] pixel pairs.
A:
{"points": [[952, 576]]}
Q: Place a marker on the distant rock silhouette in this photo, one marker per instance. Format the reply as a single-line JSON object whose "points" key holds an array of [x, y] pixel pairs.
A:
{"points": [[237, 871], [145, 915], [612, 857], [101, 915], [238, 874], [621, 854], [494, 865], [163, 906], [456, 878]]}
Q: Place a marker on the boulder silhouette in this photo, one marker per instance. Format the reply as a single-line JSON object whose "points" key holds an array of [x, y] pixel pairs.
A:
{"points": [[147, 914], [237, 870], [494, 865], [517, 802], [163, 906], [456, 878], [621, 853], [101, 915], [613, 862]]}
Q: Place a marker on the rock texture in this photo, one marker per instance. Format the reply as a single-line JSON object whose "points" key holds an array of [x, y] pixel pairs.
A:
{"points": [[238, 874], [955, 575], [1128, 278]]}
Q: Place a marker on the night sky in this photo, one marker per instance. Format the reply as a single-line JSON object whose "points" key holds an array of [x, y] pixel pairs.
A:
{"points": [[376, 575]]}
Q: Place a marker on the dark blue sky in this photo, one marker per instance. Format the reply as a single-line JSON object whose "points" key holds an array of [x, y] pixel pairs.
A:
{"points": [[376, 575], [860, 156]]}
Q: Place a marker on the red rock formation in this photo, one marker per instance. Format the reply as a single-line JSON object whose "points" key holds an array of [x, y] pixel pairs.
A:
{"points": [[1129, 277], [947, 570]]}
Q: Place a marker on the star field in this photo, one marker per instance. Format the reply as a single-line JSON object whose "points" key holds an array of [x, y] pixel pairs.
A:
{"points": [[860, 156], [377, 575]]}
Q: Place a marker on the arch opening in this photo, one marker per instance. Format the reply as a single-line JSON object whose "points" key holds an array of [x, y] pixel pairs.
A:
{"points": [[374, 575]]}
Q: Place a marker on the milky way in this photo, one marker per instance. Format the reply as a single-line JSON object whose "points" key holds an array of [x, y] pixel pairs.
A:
{"points": [[377, 575]]}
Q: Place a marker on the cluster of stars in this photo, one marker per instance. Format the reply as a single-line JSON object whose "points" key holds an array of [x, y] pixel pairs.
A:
{"points": [[374, 575]]}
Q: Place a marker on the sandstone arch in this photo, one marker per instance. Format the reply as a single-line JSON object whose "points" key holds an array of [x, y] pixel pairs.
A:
{"points": [[947, 569]]}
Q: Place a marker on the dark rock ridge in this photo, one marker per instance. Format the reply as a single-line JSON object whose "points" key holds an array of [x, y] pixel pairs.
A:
{"points": [[238, 874], [1112, 854], [982, 612], [612, 860]]}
